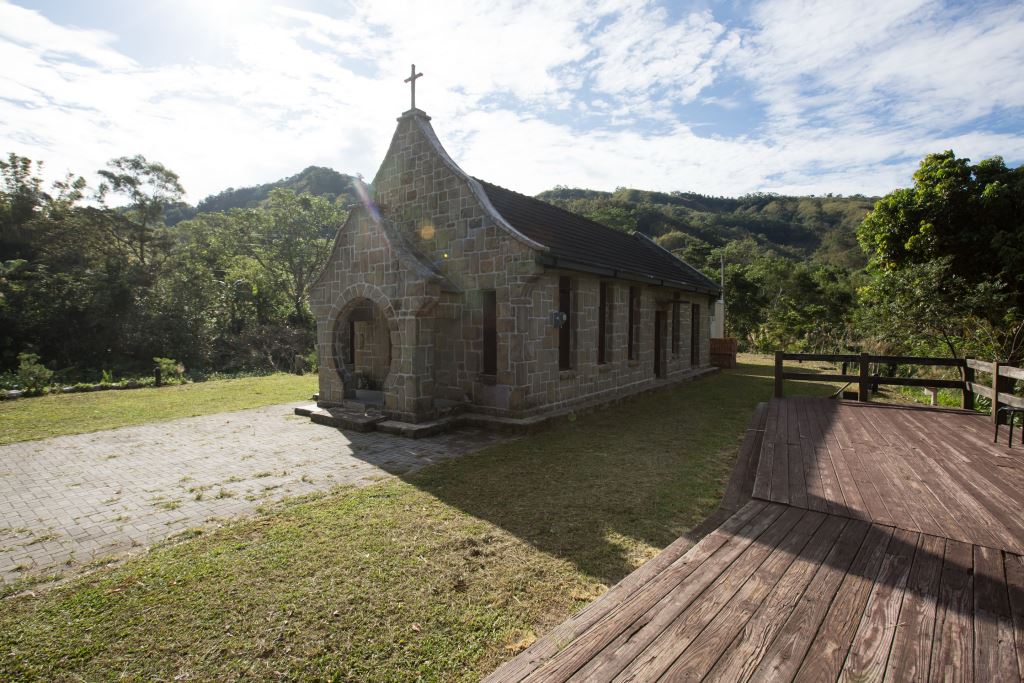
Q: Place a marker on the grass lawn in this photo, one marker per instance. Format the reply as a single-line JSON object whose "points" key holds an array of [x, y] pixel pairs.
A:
{"points": [[439, 576], [59, 414]]}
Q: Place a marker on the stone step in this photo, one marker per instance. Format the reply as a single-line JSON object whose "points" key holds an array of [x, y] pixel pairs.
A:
{"points": [[307, 410], [417, 430], [346, 419]]}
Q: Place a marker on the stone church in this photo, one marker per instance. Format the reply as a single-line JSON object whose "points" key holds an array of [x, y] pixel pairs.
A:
{"points": [[448, 295]]}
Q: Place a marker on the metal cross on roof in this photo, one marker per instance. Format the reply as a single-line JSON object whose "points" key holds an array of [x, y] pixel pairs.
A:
{"points": [[412, 80]]}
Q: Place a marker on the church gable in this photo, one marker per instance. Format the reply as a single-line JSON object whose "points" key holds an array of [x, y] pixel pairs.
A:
{"points": [[442, 212]]}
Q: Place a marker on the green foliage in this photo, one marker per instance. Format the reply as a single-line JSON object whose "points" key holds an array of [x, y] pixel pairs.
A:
{"points": [[947, 260], [33, 376], [171, 371], [106, 284]]}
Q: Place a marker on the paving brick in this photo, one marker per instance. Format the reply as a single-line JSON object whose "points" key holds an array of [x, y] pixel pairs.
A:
{"points": [[76, 503]]}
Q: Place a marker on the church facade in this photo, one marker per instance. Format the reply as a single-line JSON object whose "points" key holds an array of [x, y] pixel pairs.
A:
{"points": [[444, 293]]}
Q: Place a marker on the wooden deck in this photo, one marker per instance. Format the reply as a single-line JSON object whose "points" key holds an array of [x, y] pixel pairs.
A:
{"points": [[881, 543]]}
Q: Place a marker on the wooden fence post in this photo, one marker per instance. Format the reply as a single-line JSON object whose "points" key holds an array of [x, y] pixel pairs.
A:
{"points": [[778, 374], [967, 398], [863, 388], [996, 385]]}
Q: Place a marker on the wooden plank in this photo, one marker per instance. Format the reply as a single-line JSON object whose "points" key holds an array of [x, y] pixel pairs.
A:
{"points": [[980, 365], [825, 357], [919, 360], [780, 474], [802, 588], [852, 502], [816, 498], [789, 567], [681, 582], [831, 485], [646, 657], [763, 481], [995, 656], [1011, 372], [908, 499], [953, 646], [996, 508], [981, 389], [989, 503], [911, 653], [1011, 400], [921, 382], [864, 475], [744, 472], [968, 521], [828, 590], [796, 477], [869, 650], [818, 377], [617, 653], [828, 650], [793, 421], [1014, 567], [678, 557]]}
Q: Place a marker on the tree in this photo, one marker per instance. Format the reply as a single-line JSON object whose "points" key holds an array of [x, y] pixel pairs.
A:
{"points": [[947, 257], [149, 187], [20, 198], [290, 237]]}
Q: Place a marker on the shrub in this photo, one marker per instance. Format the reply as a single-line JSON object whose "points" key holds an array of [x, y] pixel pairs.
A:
{"points": [[33, 376], [170, 370]]}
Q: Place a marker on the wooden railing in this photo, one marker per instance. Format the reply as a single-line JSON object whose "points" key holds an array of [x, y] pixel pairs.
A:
{"points": [[1003, 376]]}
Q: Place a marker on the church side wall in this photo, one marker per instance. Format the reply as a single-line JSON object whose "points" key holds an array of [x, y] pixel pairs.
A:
{"points": [[545, 387]]}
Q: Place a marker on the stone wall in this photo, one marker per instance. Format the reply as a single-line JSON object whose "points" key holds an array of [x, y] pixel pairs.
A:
{"points": [[537, 377], [424, 253]]}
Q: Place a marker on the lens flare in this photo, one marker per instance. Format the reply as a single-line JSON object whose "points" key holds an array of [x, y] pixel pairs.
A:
{"points": [[427, 231], [364, 196]]}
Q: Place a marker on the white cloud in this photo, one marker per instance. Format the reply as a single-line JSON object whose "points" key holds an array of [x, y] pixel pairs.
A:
{"points": [[530, 95], [641, 51]]}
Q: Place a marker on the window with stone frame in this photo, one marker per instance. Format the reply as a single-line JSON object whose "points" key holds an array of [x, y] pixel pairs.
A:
{"points": [[604, 303], [633, 325], [694, 334], [490, 333], [565, 331], [675, 326]]}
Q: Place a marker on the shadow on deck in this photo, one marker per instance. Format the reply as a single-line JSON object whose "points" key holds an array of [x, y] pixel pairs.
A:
{"points": [[859, 541]]}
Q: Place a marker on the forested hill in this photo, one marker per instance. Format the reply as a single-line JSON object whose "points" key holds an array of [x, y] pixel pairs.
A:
{"points": [[316, 180], [823, 228]]}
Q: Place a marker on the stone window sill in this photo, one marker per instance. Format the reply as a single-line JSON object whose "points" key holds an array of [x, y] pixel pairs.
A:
{"points": [[604, 367], [566, 374], [633, 363], [487, 379]]}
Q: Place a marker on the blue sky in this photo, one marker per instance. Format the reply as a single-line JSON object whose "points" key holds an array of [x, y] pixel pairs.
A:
{"points": [[722, 98]]}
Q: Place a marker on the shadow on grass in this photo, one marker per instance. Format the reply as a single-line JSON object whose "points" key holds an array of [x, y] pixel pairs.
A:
{"points": [[606, 490]]}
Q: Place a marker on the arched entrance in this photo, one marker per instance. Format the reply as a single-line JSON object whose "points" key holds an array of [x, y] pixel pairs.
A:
{"points": [[361, 350]]}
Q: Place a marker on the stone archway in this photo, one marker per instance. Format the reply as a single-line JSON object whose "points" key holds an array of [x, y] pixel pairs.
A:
{"points": [[361, 346], [360, 351]]}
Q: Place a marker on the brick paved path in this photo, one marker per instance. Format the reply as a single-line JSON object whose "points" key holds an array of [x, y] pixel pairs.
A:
{"points": [[70, 501]]}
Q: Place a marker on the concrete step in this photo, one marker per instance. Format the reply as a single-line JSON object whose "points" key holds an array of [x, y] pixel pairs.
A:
{"points": [[307, 410], [346, 419]]}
